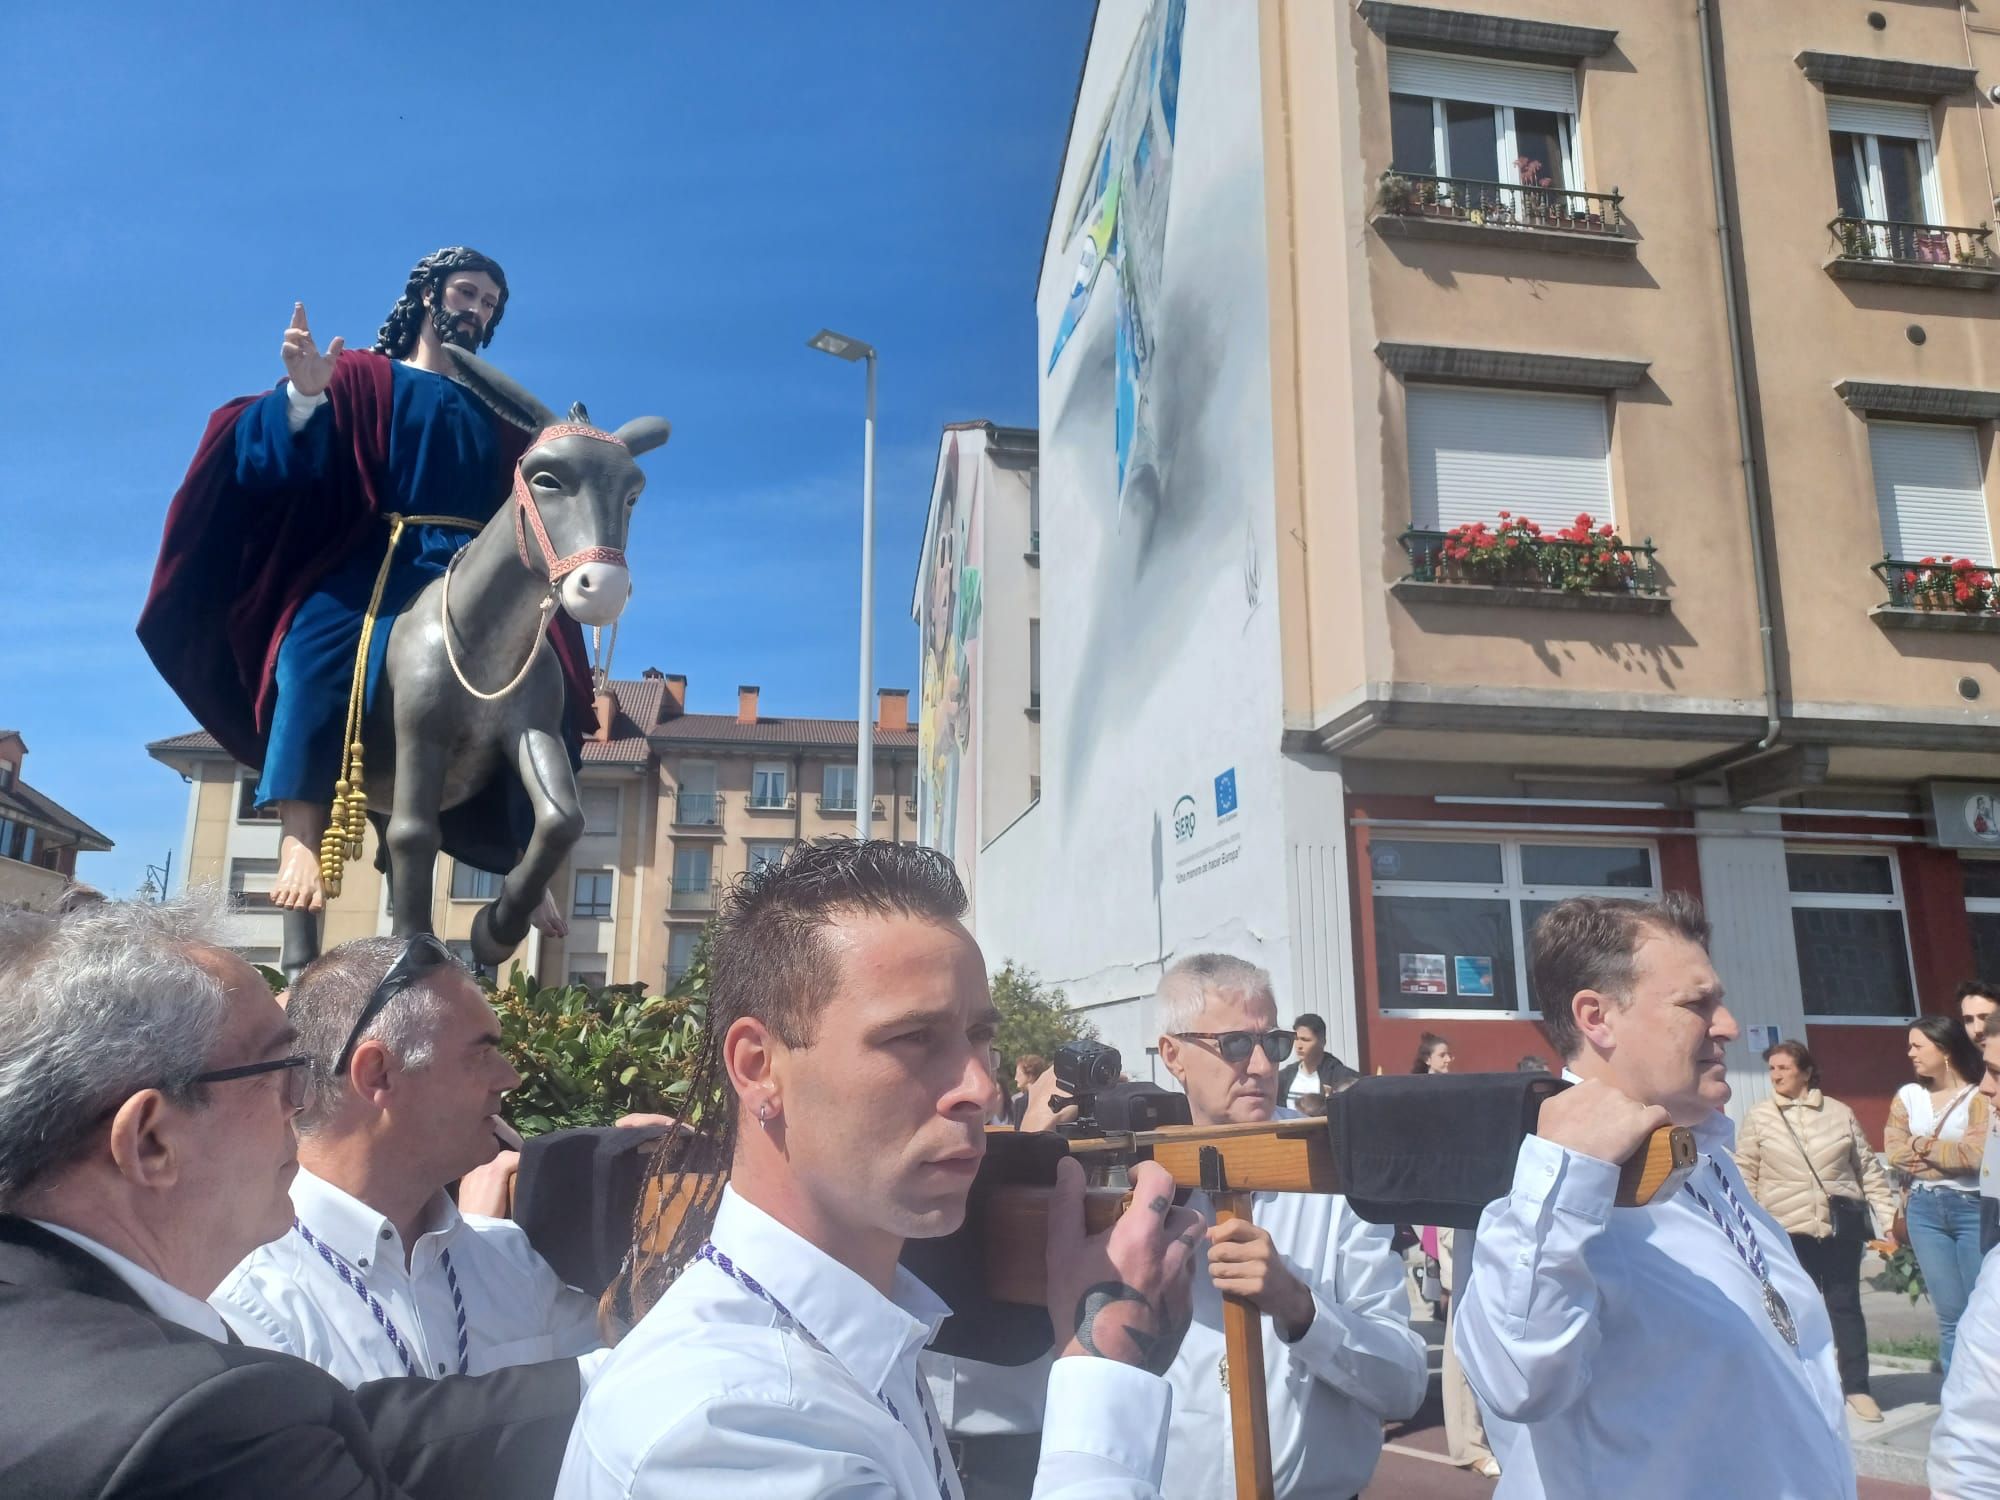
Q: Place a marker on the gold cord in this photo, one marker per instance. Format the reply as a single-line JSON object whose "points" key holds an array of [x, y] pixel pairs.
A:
{"points": [[348, 821]]}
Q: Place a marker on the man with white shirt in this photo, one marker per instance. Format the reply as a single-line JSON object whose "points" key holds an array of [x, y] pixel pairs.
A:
{"points": [[849, 1026], [380, 1274], [147, 1087], [1340, 1357], [1965, 1443], [1675, 1350]]}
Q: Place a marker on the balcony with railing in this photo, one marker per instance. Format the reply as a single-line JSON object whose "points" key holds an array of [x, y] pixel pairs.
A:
{"points": [[697, 809], [770, 802], [1417, 206], [844, 807], [1938, 593], [1464, 566], [693, 895], [1915, 254]]}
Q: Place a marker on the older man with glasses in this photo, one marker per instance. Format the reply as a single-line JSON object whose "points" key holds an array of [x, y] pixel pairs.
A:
{"points": [[148, 1084], [380, 1273]]}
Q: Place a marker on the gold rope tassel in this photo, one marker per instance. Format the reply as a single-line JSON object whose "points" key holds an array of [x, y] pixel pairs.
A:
{"points": [[347, 823]]}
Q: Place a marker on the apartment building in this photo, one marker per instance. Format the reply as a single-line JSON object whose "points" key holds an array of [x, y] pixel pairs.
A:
{"points": [[39, 837], [643, 877], [1349, 315]]}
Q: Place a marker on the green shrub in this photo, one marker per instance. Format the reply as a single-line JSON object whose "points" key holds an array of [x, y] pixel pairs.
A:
{"points": [[587, 1056], [1033, 1019]]}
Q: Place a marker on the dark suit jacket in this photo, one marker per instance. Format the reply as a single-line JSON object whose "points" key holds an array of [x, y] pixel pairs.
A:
{"points": [[100, 1399]]}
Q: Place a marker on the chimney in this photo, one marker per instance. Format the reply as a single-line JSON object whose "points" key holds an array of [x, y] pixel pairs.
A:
{"points": [[746, 704], [674, 702], [892, 711], [606, 706]]}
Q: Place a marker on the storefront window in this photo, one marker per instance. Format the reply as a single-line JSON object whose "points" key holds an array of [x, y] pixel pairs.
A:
{"points": [[1452, 916], [1982, 910], [1847, 921]]}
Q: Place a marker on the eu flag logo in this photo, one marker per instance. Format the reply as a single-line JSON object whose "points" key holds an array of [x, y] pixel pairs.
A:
{"points": [[1225, 793]]}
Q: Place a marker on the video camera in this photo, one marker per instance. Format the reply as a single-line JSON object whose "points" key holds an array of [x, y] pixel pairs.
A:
{"points": [[1087, 1075]]}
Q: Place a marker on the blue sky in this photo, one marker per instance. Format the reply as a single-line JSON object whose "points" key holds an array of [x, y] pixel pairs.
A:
{"points": [[681, 194]]}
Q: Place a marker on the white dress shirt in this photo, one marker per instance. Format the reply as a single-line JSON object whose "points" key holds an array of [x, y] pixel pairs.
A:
{"points": [[165, 1300], [1965, 1443], [716, 1393], [286, 1296], [1630, 1353]]}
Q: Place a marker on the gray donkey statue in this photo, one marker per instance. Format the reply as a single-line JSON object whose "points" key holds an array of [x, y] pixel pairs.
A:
{"points": [[470, 687]]}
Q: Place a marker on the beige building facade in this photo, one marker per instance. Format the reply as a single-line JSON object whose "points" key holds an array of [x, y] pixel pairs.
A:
{"points": [[39, 837], [633, 900], [1721, 280]]}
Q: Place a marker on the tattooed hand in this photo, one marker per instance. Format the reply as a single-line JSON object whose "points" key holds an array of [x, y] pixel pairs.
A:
{"points": [[1125, 1294]]}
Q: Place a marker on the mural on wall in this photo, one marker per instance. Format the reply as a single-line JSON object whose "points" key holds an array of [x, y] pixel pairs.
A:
{"points": [[947, 779]]}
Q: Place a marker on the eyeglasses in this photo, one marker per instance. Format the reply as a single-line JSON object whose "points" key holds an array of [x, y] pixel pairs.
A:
{"points": [[1236, 1046], [420, 955], [297, 1070]]}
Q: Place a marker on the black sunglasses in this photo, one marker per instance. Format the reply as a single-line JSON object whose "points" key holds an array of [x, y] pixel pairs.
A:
{"points": [[420, 955], [1236, 1046]]}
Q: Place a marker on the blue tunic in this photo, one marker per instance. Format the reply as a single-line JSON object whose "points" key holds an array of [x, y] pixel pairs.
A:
{"points": [[443, 461]]}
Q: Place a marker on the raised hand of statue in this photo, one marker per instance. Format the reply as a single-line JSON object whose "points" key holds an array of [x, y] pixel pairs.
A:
{"points": [[309, 370]]}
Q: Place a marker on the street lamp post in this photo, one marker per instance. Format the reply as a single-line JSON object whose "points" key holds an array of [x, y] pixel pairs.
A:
{"points": [[842, 347], [157, 889]]}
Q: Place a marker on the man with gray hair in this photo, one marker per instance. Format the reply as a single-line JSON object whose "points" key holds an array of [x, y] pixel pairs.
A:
{"points": [[380, 1273], [148, 1083], [1340, 1357]]}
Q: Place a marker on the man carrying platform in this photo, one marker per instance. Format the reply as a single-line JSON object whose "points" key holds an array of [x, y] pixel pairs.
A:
{"points": [[1675, 1350]]}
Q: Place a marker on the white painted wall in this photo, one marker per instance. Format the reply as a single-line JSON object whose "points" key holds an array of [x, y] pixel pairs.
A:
{"points": [[1747, 896]]}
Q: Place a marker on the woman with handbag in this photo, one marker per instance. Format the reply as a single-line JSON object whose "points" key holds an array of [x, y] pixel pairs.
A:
{"points": [[1937, 1135], [1806, 1160]]}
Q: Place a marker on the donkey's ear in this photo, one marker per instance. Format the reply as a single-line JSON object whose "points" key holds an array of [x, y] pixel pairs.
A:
{"points": [[507, 398], [644, 434]]}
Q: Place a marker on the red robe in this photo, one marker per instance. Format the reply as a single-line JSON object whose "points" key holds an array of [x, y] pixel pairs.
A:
{"points": [[234, 566]]}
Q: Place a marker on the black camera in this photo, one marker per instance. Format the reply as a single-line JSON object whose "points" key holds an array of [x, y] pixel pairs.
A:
{"points": [[1087, 1076]]}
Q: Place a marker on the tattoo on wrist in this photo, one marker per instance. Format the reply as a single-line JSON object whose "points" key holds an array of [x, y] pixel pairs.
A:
{"points": [[1155, 1345]]}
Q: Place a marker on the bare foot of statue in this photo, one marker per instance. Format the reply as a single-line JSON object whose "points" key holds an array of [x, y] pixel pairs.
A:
{"points": [[548, 919], [298, 886]]}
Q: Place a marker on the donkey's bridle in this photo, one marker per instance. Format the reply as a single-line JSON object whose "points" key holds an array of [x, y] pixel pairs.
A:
{"points": [[528, 516]]}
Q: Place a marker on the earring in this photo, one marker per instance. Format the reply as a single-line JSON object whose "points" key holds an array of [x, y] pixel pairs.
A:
{"points": [[764, 1116]]}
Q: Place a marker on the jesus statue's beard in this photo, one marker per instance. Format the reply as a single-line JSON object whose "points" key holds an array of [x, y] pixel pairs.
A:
{"points": [[460, 328]]}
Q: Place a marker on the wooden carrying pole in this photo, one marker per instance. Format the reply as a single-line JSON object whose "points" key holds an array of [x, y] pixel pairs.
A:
{"points": [[1243, 1352]]}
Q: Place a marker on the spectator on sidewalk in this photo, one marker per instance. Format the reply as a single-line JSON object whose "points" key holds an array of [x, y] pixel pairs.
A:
{"points": [[1433, 1054], [1937, 1134], [1805, 1159], [1976, 1004], [1313, 1072], [1027, 1068], [1965, 1443], [1977, 1000]]}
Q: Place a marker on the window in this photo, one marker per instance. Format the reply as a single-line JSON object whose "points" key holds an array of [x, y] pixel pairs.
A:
{"points": [[461, 950], [468, 884], [1930, 491], [1982, 909], [1483, 121], [247, 810], [600, 809], [1476, 452], [588, 969], [593, 895], [681, 943], [769, 784], [1847, 920], [837, 788], [1884, 167], [692, 867], [250, 882], [1034, 664], [771, 852], [1452, 915], [6, 773]]}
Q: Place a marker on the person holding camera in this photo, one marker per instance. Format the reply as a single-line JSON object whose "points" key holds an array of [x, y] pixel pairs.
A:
{"points": [[1340, 1356], [1807, 1163]]}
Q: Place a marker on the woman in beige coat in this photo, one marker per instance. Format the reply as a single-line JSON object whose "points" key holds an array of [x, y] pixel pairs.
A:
{"points": [[1797, 1150]]}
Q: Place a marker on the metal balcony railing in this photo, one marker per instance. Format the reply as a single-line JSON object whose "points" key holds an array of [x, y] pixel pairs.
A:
{"points": [[697, 809], [1566, 567], [836, 804], [1887, 240], [768, 802], [693, 895], [1501, 205], [1952, 585]]}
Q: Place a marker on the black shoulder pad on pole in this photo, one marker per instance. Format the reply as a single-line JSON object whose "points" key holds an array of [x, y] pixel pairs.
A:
{"points": [[1419, 1149]]}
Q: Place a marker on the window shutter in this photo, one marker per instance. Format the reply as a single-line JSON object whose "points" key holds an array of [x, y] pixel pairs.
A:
{"points": [[1910, 122], [1481, 80], [1929, 491], [1475, 453]]}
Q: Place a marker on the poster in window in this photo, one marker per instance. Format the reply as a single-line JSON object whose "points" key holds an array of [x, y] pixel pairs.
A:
{"points": [[1424, 974], [1474, 975]]}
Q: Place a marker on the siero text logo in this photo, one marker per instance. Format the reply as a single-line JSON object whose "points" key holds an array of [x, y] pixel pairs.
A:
{"points": [[1184, 820], [1225, 795]]}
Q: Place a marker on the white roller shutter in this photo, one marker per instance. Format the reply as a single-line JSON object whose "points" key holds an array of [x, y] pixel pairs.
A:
{"points": [[1483, 81], [1930, 491], [1477, 452], [1910, 122]]}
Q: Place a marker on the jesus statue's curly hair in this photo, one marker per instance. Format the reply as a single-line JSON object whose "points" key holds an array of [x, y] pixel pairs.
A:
{"points": [[399, 329]]}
